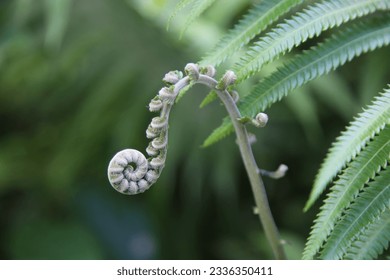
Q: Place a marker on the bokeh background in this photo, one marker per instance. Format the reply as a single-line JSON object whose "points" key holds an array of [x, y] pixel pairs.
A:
{"points": [[75, 80]]}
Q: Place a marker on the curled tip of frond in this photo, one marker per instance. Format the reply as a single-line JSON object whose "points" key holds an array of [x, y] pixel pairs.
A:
{"points": [[260, 120], [155, 105], [277, 174], [159, 122], [192, 71], [127, 170], [152, 132], [159, 143], [157, 162], [172, 77], [152, 151], [227, 80], [209, 71], [166, 94], [280, 172]]}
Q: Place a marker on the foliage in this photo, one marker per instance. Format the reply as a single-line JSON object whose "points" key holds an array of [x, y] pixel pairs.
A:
{"points": [[351, 210], [337, 216], [77, 77], [256, 20], [321, 59], [196, 7], [302, 26]]}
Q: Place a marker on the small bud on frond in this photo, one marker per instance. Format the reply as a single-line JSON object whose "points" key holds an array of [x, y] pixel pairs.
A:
{"points": [[227, 80], [260, 120], [209, 71], [192, 71], [172, 77]]}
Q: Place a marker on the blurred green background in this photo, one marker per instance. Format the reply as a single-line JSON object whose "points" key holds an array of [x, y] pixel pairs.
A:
{"points": [[75, 80]]}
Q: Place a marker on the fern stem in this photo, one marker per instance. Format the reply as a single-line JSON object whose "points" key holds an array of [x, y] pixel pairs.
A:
{"points": [[258, 188]]}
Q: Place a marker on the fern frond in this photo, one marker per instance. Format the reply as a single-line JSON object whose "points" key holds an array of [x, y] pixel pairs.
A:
{"points": [[360, 171], [305, 25], [342, 47], [373, 240], [350, 142], [219, 133], [334, 52], [374, 200], [208, 99], [255, 21], [198, 7], [180, 6]]}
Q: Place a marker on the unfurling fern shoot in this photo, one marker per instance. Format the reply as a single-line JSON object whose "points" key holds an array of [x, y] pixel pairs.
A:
{"points": [[130, 179], [354, 220]]}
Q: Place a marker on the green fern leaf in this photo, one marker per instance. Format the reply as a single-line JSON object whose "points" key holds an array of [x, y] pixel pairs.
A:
{"points": [[183, 92], [348, 44], [180, 6], [219, 133], [255, 21], [350, 142], [334, 52], [373, 240], [374, 200], [208, 99], [363, 168], [197, 9], [301, 27]]}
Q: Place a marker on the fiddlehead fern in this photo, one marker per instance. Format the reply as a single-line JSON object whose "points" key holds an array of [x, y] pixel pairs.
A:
{"points": [[130, 172]]}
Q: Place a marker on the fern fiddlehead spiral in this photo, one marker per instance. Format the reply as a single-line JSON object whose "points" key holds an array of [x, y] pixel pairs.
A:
{"points": [[130, 172]]}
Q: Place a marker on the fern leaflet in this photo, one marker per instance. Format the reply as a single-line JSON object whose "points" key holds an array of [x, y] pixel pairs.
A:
{"points": [[317, 62], [180, 6], [372, 240], [219, 133], [334, 52], [374, 200], [255, 21], [208, 99], [197, 9], [350, 142], [363, 168], [301, 27]]}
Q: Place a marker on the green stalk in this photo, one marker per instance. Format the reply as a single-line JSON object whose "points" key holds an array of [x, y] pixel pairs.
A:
{"points": [[258, 188]]}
